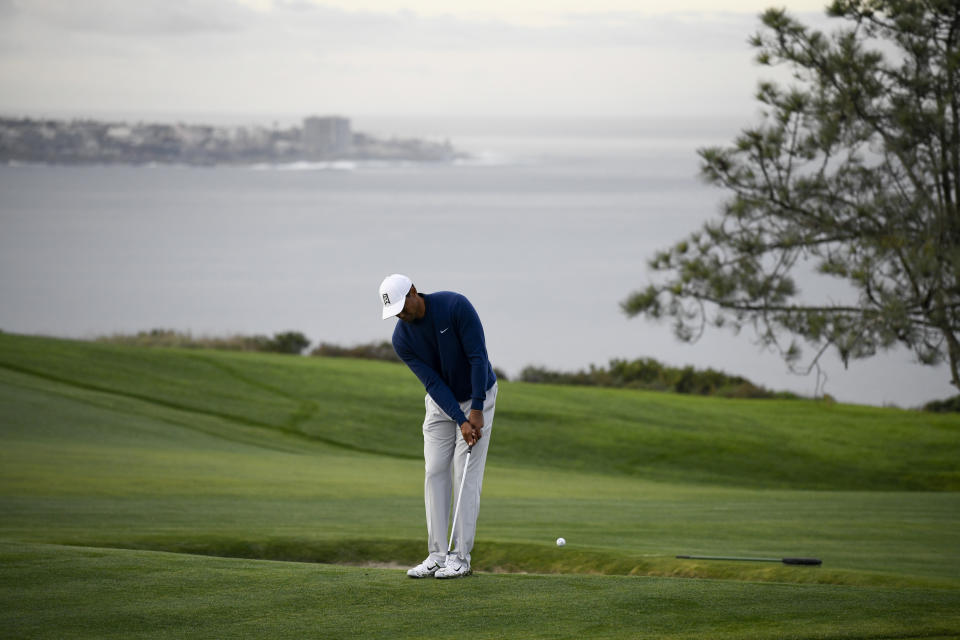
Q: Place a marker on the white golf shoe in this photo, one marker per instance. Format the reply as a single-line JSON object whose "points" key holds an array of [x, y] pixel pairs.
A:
{"points": [[425, 569], [455, 568]]}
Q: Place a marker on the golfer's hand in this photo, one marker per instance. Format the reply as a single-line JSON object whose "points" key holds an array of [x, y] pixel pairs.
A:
{"points": [[470, 433], [476, 418]]}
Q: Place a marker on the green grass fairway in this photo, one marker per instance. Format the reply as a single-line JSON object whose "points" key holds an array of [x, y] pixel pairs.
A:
{"points": [[125, 594], [177, 493]]}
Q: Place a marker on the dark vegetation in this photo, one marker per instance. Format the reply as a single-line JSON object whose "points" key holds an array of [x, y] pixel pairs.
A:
{"points": [[950, 405], [292, 342], [370, 351], [649, 374]]}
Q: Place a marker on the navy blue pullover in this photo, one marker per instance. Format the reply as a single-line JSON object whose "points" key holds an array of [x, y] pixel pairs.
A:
{"points": [[447, 352]]}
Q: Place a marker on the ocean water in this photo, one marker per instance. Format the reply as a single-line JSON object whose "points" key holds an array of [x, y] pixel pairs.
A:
{"points": [[545, 232]]}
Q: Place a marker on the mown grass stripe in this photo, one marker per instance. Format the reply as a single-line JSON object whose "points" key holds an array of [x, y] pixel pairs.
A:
{"points": [[289, 431]]}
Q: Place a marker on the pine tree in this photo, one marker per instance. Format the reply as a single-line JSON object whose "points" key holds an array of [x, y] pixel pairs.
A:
{"points": [[854, 171]]}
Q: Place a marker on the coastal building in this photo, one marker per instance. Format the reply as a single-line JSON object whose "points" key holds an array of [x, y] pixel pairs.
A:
{"points": [[95, 142], [327, 136]]}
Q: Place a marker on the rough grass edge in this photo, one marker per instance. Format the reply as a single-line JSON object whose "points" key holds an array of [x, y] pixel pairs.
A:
{"points": [[513, 558]]}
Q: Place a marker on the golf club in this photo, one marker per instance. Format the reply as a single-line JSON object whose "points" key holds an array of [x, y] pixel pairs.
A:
{"points": [[456, 510], [804, 561]]}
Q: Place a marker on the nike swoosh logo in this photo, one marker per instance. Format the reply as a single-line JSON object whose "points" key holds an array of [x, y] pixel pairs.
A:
{"points": [[445, 330]]}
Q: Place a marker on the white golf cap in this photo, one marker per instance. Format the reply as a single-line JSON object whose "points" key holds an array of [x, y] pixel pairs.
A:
{"points": [[393, 293]]}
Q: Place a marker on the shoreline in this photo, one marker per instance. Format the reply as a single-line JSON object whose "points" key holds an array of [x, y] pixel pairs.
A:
{"points": [[320, 141]]}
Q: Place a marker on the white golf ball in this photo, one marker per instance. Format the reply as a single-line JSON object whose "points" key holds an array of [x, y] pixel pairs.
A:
{"points": [[561, 542]]}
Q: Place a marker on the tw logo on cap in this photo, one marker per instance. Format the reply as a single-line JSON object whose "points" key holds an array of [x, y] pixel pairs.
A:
{"points": [[386, 299]]}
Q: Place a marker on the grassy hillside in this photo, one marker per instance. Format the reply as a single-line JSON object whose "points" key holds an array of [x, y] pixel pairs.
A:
{"points": [[110, 454], [374, 407]]}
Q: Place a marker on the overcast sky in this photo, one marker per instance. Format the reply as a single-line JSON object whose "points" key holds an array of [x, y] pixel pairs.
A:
{"points": [[617, 58]]}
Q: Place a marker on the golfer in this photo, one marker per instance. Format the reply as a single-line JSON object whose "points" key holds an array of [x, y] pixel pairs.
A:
{"points": [[441, 339]]}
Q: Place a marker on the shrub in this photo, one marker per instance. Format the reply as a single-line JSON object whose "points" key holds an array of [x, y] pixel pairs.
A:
{"points": [[649, 374], [370, 351], [288, 342], [950, 405]]}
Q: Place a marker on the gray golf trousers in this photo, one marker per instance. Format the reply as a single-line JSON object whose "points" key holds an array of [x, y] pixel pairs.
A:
{"points": [[444, 454]]}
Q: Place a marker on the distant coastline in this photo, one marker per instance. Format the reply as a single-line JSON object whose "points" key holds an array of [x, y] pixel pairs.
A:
{"points": [[321, 139]]}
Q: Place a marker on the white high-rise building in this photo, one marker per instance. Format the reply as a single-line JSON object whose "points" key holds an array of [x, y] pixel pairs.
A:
{"points": [[327, 136]]}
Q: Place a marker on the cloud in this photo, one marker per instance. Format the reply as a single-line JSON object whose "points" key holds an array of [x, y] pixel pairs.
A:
{"points": [[407, 30], [293, 55], [125, 18], [324, 27]]}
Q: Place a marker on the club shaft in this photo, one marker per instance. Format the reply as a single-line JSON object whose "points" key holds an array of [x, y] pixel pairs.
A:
{"points": [[456, 510], [729, 558], [805, 561]]}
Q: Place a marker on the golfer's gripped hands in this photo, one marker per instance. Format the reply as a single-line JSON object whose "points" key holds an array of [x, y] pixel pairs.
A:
{"points": [[471, 429]]}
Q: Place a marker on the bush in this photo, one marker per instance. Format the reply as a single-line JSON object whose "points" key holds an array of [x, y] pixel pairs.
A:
{"points": [[950, 405], [649, 374], [369, 351], [288, 342]]}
